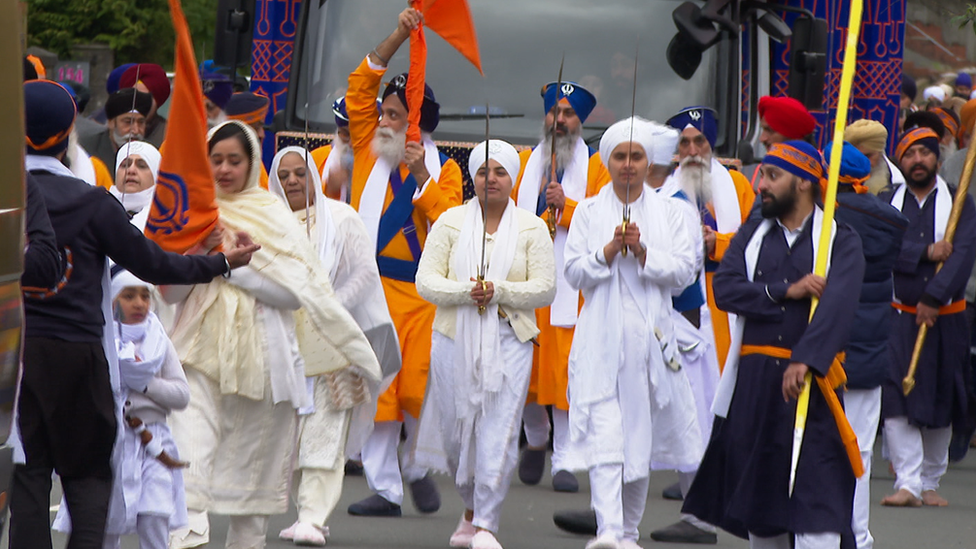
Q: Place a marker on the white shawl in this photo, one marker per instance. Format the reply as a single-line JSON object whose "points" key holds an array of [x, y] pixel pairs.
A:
{"points": [[943, 205], [726, 385], [565, 308], [477, 344], [596, 352], [373, 199]]}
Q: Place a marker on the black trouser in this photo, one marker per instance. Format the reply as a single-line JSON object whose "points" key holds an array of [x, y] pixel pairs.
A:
{"points": [[67, 424]]}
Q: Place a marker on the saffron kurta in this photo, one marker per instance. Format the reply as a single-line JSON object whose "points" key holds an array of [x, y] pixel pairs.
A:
{"points": [[939, 397], [399, 257], [742, 484], [550, 378]]}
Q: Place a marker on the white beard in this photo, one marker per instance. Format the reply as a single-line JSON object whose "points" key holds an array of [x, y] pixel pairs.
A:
{"points": [[389, 145], [695, 178], [565, 147], [345, 153], [218, 120]]}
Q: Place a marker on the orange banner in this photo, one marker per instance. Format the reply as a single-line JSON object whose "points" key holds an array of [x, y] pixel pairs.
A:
{"points": [[184, 210]]}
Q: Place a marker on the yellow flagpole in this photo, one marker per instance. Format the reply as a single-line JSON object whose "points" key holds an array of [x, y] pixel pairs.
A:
{"points": [[830, 204]]}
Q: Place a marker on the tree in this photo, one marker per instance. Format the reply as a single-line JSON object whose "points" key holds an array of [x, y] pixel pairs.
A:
{"points": [[137, 30]]}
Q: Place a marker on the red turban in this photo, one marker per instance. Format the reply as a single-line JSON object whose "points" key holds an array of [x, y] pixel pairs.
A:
{"points": [[786, 116], [152, 76]]}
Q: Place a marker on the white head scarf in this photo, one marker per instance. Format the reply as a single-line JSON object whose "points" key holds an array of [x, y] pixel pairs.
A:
{"points": [[500, 151], [934, 92], [125, 279], [254, 175], [324, 226], [664, 142], [634, 129], [142, 149]]}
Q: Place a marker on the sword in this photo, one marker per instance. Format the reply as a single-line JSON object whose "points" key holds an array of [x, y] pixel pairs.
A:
{"points": [[551, 215], [484, 212], [128, 142], [630, 146]]}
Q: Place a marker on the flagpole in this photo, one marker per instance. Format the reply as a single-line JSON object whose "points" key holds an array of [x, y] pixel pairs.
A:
{"points": [[830, 204]]}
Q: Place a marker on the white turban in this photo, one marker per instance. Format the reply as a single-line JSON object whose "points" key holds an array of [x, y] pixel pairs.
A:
{"points": [[634, 129], [934, 92], [144, 150], [664, 141], [500, 151], [124, 279]]}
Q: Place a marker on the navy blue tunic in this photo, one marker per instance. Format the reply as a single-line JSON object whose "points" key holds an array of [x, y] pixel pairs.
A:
{"points": [[939, 397], [742, 484], [881, 228]]}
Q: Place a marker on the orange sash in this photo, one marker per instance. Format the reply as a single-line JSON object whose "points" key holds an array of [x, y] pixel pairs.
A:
{"points": [[950, 309], [835, 378]]}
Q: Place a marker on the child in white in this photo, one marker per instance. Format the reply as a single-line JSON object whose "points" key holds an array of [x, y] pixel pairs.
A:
{"points": [[150, 477]]}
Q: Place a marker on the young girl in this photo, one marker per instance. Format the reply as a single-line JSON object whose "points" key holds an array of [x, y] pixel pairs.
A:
{"points": [[150, 475]]}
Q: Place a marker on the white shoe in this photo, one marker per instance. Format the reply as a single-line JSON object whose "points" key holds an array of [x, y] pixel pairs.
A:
{"points": [[288, 534], [309, 535], [462, 535], [484, 540], [629, 544], [606, 541]]}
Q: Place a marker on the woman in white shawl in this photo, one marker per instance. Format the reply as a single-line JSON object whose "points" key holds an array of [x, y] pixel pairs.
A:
{"points": [[328, 434], [236, 340], [481, 350], [136, 170]]}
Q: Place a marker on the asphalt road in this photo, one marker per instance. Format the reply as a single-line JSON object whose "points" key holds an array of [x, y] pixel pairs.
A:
{"points": [[527, 518]]}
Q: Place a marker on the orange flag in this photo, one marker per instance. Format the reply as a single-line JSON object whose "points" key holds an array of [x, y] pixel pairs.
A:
{"points": [[184, 210], [451, 19]]}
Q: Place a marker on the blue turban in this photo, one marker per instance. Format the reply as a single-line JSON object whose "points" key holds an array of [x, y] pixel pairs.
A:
{"points": [[963, 79], [577, 96], [217, 87], [853, 164], [114, 77], [342, 117], [430, 110], [798, 158], [49, 112], [700, 118]]}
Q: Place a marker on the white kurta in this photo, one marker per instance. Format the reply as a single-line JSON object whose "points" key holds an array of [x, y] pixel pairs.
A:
{"points": [[624, 338]]}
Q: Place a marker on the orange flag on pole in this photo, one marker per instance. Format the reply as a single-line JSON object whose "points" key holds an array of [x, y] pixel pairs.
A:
{"points": [[183, 209], [451, 19]]}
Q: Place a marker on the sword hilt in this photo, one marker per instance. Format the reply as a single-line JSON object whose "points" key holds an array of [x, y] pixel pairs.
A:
{"points": [[484, 288], [623, 232]]}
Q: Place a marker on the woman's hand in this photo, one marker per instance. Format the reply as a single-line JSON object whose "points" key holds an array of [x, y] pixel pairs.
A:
{"points": [[482, 294]]}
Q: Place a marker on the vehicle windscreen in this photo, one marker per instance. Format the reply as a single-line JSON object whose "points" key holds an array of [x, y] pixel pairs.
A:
{"points": [[522, 44]]}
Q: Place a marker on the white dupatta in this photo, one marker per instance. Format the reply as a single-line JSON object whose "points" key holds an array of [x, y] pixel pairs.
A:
{"points": [[943, 205], [477, 343], [726, 385], [564, 310]]}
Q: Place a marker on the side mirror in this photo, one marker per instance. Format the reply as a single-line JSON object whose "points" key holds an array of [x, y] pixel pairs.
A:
{"points": [[235, 25], [696, 33], [808, 62]]}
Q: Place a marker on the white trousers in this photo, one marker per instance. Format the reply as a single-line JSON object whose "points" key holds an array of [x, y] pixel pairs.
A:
{"points": [[619, 506], [920, 456], [153, 533], [863, 408], [318, 493], [244, 532], [825, 540], [536, 421], [381, 462]]}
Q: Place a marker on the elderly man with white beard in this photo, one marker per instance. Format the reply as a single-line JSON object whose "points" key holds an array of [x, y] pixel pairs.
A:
{"points": [[723, 198], [579, 174], [399, 190], [630, 399], [335, 160]]}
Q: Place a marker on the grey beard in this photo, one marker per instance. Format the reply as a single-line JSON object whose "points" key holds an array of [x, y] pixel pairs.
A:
{"points": [[879, 179], [220, 119], [122, 138], [565, 148], [345, 153], [389, 145], [696, 179]]}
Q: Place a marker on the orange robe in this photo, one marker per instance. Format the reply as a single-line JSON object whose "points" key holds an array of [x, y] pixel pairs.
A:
{"points": [[720, 320], [550, 360], [103, 177], [412, 315]]}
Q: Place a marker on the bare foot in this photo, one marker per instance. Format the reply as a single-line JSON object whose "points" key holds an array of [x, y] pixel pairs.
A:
{"points": [[901, 498], [932, 498]]}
